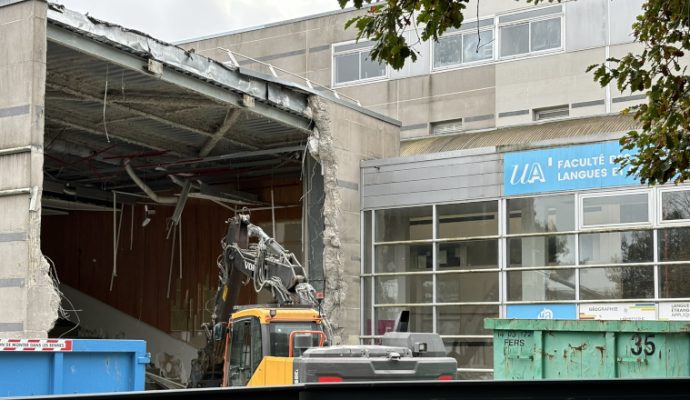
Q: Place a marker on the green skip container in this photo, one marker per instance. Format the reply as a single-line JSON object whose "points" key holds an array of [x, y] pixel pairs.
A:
{"points": [[527, 349]]}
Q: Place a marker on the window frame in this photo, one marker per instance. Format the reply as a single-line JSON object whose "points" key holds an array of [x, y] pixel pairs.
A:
{"points": [[529, 21], [659, 212], [462, 33], [447, 122], [358, 51], [507, 234], [581, 227], [546, 113]]}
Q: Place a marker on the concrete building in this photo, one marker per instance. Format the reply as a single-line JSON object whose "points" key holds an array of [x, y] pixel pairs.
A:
{"points": [[506, 200], [122, 156]]}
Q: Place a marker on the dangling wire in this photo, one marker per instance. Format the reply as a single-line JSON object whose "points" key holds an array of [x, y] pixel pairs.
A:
{"points": [[105, 102]]}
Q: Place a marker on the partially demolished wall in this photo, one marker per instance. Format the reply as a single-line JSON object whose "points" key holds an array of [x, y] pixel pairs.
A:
{"points": [[341, 139], [27, 294], [322, 148]]}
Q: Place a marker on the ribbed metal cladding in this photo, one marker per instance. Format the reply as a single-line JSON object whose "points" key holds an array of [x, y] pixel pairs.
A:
{"points": [[519, 135], [143, 114]]}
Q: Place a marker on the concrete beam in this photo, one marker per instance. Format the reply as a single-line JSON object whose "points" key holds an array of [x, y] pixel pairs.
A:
{"points": [[230, 119]]}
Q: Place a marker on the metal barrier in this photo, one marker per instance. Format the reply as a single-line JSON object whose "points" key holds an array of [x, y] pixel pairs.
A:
{"points": [[657, 389]]}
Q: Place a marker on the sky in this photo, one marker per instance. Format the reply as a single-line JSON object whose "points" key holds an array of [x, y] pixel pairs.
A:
{"points": [[177, 20]]}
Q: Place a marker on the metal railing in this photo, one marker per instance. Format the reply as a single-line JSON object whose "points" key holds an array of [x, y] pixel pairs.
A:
{"points": [[273, 70]]}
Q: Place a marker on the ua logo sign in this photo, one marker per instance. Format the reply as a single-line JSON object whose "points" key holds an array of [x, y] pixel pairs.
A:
{"points": [[528, 174], [545, 314]]}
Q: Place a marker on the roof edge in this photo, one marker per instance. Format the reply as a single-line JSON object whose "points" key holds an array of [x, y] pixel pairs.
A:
{"points": [[271, 24], [5, 3], [235, 79]]}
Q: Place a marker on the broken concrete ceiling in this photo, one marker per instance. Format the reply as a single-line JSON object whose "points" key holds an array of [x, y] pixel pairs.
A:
{"points": [[114, 94]]}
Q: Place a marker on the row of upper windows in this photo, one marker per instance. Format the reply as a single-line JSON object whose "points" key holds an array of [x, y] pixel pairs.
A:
{"points": [[520, 34], [542, 215]]}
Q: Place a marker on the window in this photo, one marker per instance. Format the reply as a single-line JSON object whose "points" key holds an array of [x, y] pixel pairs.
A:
{"points": [[541, 285], [396, 258], [616, 247], [280, 335], [541, 114], [675, 205], [674, 281], [531, 31], [674, 244], [541, 214], [635, 282], [467, 287], [246, 351], [421, 319], [468, 219], [541, 251], [404, 289], [465, 320], [615, 210], [446, 127], [468, 254], [351, 63], [473, 42], [403, 224]]}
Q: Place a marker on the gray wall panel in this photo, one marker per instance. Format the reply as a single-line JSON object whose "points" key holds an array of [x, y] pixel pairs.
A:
{"points": [[455, 170], [429, 185], [623, 14], [585, 24], [438, 196], [422, 181], [405, 165]]}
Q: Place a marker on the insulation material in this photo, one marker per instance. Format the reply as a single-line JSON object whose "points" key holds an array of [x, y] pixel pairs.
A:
{"points": [[321, 146]]}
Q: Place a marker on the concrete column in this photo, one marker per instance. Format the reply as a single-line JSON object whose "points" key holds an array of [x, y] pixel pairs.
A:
{"points": [[28, 299]]}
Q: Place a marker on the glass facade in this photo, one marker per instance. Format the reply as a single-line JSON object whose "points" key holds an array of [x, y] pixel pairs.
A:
{"points": [[453, 265]]}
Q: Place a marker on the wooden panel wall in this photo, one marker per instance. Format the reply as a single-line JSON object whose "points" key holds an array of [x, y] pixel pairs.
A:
{"points": [[81, 245]]}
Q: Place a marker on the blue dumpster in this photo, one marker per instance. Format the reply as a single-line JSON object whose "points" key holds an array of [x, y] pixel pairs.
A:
{"points": [[62, 366]]}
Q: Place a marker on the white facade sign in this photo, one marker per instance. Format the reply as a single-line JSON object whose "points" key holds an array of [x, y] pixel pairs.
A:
{"points": [[618, 311], [677, 311]]}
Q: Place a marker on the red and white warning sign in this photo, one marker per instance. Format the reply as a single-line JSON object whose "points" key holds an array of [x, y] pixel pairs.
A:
{"points": [[35, 345]]}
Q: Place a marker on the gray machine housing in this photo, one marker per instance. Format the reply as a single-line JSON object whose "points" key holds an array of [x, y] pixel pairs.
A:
{"points": [[402, 356], [421, 344]]}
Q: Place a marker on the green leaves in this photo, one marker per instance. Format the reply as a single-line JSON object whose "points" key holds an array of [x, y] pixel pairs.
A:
{"points": [[385, 25], [663, 142], [657, 72]]}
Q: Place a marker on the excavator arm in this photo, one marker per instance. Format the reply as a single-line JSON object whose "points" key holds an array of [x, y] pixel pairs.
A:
{"points": [[265, 263]]}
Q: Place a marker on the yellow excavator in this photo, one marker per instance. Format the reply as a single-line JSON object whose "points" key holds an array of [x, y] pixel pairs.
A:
{"points": [[290, 341]]}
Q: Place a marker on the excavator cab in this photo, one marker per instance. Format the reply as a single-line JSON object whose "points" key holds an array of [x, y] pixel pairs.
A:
{"points": [[262, 342]]}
